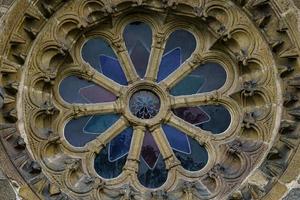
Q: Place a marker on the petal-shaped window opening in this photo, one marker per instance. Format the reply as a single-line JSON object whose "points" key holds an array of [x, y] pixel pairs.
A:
{"points": [[220, 119], [205, 78], [138, 40], [214, 118], [152, 169], [153, 177], [99, 54], [75, 90], [79, 132], [192, 156], [110, 161], [180, 46]]}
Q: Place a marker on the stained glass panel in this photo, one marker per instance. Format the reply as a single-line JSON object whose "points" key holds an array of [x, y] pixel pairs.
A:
{"points": [[75, 90], [138, 40], [99, 54], [177, 51], [205, 78]]}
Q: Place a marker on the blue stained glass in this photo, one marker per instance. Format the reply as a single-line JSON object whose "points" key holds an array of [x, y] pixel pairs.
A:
{"points": [[220, 119], [75, 90], [107, 169], [196, 160], [205, 78], [74, 133], [183, 50], [177, 139], [120, 145], [189, 85], [138, 40], [100, 123], [112, 69], [99, 54], [80, 131], [93, 49], [152, 178], [169, 63]]}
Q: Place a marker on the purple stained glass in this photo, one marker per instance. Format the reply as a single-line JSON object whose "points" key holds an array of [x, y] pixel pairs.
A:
{"points": [[94, 94], [193, 115], [177, 139], [138, 40], [120, 145], [150, 152], [213, 118], [75, 90]]}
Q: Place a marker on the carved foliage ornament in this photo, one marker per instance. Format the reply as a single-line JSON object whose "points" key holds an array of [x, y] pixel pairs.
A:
{"points": [[147, 100]]}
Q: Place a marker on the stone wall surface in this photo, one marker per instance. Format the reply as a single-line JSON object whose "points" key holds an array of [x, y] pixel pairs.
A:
{"points": [[6, 189]]}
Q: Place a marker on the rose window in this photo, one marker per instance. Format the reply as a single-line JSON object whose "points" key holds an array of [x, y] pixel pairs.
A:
{"points": [[145, 108], [148, 102]]}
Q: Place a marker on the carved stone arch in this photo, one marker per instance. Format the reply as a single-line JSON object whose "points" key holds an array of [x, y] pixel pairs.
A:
{"points": [[255, 41]]}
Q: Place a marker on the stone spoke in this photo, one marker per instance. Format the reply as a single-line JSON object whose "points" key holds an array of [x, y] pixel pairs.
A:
{"points": [[196, 100], [108, 135], [187, 67], [190, 129], [132, 163], [125, 60], [156, 54], [87, 72], [165, 148], [80, 110]]}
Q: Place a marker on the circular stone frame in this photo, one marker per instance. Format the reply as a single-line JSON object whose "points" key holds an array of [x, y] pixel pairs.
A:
{"points": [[230, 22]]}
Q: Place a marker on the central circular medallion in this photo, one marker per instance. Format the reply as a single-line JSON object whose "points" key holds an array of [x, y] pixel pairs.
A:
{"points": [[144, 104]]}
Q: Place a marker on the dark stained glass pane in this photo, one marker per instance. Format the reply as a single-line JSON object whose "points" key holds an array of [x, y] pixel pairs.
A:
{"points": [[193, 115], [150, 152], [153, 178], [180, 46], [214, 118], [75, 90], [80, 131], [138, 40], [99, 54], [120, 145], [169, 63], [195, 160], [111, 160], [177, 139], [107, 169], [205, 78], [220, 119]]}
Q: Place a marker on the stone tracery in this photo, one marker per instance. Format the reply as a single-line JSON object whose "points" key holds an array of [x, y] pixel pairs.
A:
{"points": [[256, 97]]}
